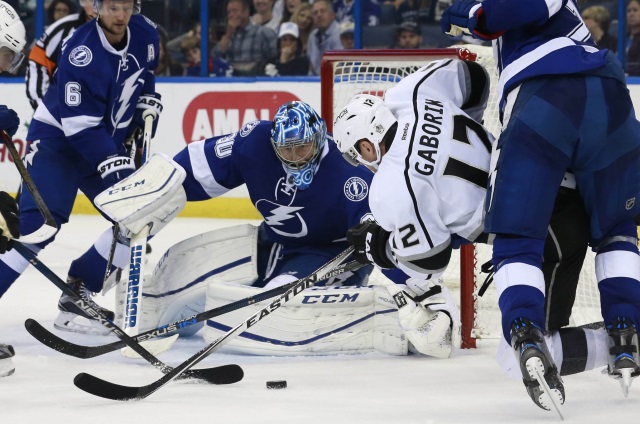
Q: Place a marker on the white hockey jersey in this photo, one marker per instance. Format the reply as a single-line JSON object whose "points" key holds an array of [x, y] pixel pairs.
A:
{"points": [[430, 188]]}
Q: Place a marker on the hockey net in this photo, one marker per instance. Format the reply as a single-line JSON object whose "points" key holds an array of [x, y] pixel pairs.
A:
{"points": [[347, 73]]}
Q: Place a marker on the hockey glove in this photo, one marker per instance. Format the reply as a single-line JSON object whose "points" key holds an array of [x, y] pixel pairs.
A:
{"points": [[370, 244], [150, 102], [115, 168], [9, 221], [9, 120], [466, 17]]}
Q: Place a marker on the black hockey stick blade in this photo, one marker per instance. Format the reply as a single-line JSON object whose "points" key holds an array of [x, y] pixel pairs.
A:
{"points": [[108, 390], [85, 352], [226, 374], [50, 228]]}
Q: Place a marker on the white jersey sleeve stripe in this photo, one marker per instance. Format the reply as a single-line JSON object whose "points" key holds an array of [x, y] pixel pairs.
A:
{"points": [[554, 6], [202, 171], [43, 115], [75, 124]]}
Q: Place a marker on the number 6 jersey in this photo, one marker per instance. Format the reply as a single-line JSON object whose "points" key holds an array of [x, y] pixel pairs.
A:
{"points": [[430, 187]]}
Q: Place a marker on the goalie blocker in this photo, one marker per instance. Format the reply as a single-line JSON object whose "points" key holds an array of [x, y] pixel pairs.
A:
{"points": [[218, 267]]}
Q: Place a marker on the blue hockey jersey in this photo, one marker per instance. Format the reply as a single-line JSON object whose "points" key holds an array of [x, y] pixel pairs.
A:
{"points": [[93, 94], [541, 37], [319, 216]]}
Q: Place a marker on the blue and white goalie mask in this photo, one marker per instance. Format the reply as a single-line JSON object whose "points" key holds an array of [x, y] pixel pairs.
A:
{"points": [[298, 135]]}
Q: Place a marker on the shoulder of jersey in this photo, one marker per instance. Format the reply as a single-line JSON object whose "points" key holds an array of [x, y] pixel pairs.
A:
{"points": [[145, 25], [81, 47]]}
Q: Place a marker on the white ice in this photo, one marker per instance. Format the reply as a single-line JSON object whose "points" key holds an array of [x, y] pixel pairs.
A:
{"points": [[367, 389]]}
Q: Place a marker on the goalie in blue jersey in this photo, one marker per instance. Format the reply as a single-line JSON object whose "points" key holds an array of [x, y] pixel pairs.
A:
{"points": [[564, 106], [77, 138]]}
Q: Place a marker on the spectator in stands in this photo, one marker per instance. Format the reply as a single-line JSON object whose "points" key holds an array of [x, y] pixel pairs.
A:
{"points": [[58, 9], [325, 36], [290, 59], [244, 45], [166, 65], [633, 41], [347, 30], [408, 36], [191, 49], [302, 17], [290, 7], [597, 19], [420, 11], [264, 14], [370, 11]]}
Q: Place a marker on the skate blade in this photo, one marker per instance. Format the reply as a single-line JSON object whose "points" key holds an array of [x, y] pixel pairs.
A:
{"points": [[155, 347], [67, 321], [625, 380], [536, 370]]}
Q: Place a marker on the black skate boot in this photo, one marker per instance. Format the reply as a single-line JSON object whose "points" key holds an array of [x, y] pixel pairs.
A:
{"points": [[539, 374], [6, 364], [73, 318], [624, 360]]}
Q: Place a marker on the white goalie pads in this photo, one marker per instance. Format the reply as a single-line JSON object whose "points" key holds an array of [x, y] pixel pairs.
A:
{"points": [[177, 288], [153, 195], [319, 321]]}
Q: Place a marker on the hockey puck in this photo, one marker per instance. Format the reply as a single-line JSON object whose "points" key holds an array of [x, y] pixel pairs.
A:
{"points": [[279, 384]]}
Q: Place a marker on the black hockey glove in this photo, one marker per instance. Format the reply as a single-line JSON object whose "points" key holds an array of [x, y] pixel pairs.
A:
{"points": [[370, 244], [9, 221]]}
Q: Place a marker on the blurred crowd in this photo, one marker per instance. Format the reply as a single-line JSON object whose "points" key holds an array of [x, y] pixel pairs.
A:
{"points": [[288, 37]]}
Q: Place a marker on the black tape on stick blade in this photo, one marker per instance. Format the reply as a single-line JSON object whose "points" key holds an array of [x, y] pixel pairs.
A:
{"points": [[280, 384]]}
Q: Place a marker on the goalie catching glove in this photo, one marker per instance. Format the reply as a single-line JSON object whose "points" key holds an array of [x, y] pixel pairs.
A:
{"points": [[153, 195], [370, 242], [467, 17]]}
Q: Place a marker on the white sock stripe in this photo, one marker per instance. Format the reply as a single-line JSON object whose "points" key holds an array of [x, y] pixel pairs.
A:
{"points": [[618, 263], [15, 261], [103, 246], [518, 274]]}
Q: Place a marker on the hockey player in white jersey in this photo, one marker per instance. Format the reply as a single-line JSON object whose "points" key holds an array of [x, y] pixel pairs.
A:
{"points": [[564, 106]]}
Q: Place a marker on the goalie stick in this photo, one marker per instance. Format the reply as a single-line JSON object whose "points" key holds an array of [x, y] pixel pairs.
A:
{"points": [[84, 352], [108, 390], [49, 228], [227, 374]]}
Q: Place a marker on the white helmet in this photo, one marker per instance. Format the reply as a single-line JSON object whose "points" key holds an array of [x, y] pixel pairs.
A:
{"points": [[364, 117], [12, 37]]}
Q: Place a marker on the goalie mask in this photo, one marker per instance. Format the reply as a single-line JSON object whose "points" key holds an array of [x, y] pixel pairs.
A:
{"points": [[364, 117], [12, 38], [136, 6], [298, 135]]}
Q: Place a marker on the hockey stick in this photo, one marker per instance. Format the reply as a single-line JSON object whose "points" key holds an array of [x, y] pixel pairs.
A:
{"points": [[50, 228], [108, 390], [221, 375], [85, 352]]}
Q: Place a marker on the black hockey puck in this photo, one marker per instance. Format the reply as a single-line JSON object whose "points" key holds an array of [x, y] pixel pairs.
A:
{"points": [[279, 384]]}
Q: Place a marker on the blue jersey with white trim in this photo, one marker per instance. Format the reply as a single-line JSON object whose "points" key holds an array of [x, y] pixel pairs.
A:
{"points": [[541, 37], [318, 216], [95, 89]]}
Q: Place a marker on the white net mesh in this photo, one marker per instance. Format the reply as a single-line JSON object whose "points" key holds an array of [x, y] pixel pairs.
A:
{"points": [[381, 70]]}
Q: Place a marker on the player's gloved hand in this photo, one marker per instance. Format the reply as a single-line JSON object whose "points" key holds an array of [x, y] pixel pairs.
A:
{"points": [[370, 244], [9, 221], [466, 17], [146, 102], [115, 168], [9, 120]]}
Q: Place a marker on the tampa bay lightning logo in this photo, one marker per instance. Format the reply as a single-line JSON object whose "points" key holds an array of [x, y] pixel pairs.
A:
{"points": [[249, 126], [283, 220], [356, 189], [80, 56]]}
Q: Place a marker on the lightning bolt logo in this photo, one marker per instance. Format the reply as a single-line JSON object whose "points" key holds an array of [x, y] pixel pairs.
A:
{"points": [[28, 158], [128, 88], [279, 217]]}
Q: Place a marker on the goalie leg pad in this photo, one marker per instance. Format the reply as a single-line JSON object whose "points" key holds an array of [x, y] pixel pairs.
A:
{"points": [[319, 321], [177, 287]]}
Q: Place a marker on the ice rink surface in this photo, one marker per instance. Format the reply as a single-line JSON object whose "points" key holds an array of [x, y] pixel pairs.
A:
{"points": [[354, 389]]}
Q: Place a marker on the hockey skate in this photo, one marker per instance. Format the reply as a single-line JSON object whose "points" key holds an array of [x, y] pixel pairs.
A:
{"points": [[624, 359], [539, 374], [6, 364], [72, 318]]}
